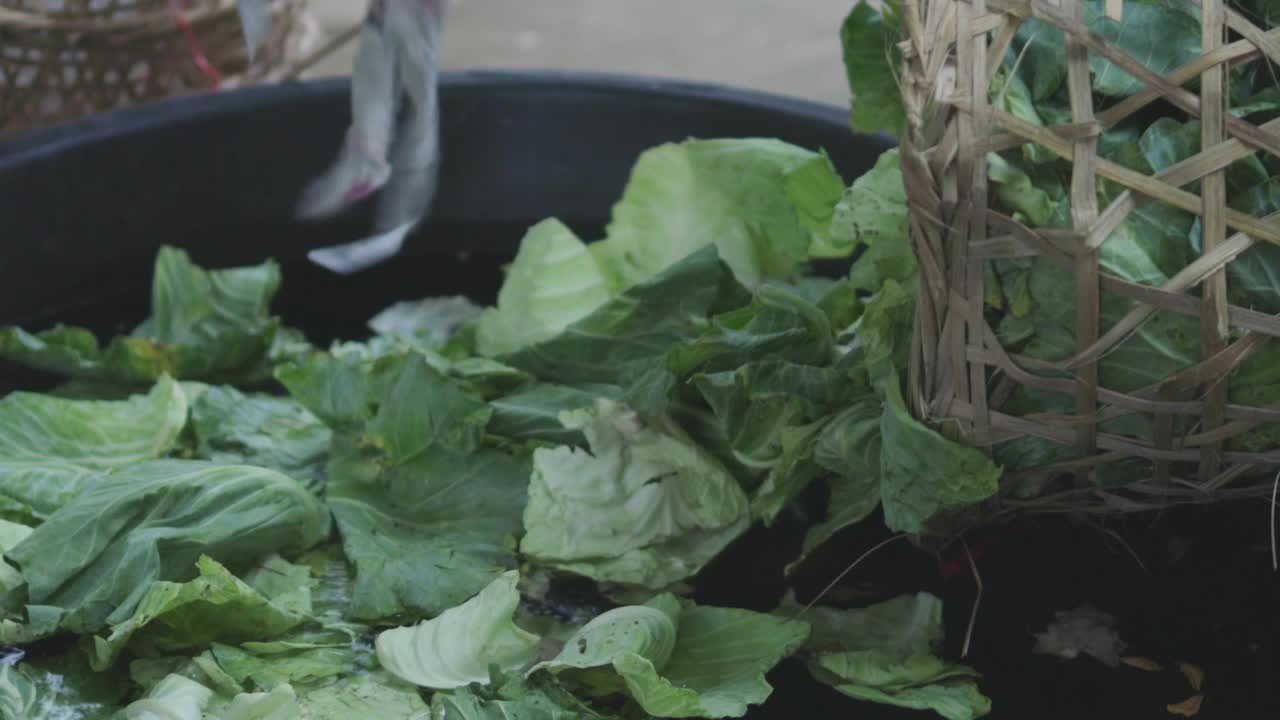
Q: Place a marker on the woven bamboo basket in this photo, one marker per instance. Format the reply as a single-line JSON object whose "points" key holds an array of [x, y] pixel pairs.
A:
{"points": [[1189, 437], [68, 59]]}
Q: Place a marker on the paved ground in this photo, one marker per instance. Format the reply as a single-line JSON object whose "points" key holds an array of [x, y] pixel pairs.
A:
{"points": [[783, 46]]}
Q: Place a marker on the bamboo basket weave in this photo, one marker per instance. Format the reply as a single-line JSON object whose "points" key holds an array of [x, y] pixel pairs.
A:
{"points": [[960, 376], [68, 59]]}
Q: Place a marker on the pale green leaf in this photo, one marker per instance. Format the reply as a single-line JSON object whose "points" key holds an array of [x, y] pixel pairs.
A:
{"points": [[645, 506], [873, 65], [1161, 35], [434, 321], [794, 470], [923, 473], [887, 653], [849, 448], [272, 432], [534, 412], [274, 598], [715, 669], [627, 338], [426, 535], [279, 704], [734, 193], [873, 213], [173, 698], [457, 648], [290, 660], [778, 324], [152, 522], [52, 449], [515, 698], [204, 325], [221, 319], [58, 688], [11, 534], [366, 696], [553, 282], [426, 521], [756, 402], [646, 630], [814, 189], [422, 409]]}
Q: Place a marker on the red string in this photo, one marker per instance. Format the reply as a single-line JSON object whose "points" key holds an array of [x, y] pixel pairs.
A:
{"points": [[178, 9], [956, 562]]}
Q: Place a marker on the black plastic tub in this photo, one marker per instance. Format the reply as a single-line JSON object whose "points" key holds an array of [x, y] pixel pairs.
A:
{"points": [[85, 207]]}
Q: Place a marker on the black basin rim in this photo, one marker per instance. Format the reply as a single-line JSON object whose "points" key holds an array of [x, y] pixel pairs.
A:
{"points": [[34, 145]]}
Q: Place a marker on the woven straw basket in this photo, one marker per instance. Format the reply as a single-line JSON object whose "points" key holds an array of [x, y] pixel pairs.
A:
{"points": [[68, 59], [963, 373]]}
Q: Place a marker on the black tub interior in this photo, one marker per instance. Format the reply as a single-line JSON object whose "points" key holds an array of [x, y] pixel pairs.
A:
{"points": [[85, 208]]}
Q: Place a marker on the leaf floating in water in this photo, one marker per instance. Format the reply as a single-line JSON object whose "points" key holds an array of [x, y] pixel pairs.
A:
{"points": [[1083, 631]]}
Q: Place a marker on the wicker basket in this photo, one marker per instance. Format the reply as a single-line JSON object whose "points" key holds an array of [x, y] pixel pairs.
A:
{"points": [[68, 59], [963, 373]]}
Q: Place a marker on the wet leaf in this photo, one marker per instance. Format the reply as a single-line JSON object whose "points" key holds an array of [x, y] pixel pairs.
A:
{"points": [[1141, 663], [1187, 708], [1194, 674]]}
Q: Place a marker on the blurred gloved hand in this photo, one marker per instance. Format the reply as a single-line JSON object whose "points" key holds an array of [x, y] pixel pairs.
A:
{"points": [[396, 73], [255, 20]]}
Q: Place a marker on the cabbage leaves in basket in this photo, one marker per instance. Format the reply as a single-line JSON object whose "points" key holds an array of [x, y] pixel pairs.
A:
{"points": [[1031, 301]]}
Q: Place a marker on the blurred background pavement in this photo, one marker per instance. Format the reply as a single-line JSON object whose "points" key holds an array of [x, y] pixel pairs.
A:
{"points": [[790, 47]]}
